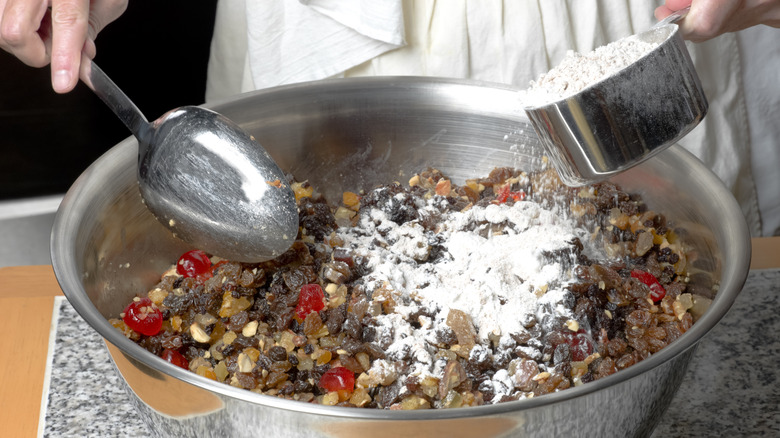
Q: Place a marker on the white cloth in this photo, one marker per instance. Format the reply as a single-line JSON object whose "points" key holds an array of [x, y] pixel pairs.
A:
{"points": [[314, 39], [505, 41], [761, 63]]}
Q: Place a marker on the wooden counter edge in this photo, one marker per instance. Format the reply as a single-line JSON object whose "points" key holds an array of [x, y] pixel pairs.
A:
{"points": [[28, 282], [765, 253], [27, 295]]}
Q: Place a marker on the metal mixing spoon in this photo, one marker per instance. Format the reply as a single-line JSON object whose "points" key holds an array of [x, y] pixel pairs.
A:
{"points": [[206, 179]]}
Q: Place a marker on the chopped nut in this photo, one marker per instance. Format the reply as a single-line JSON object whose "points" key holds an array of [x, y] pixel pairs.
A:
{"points": [[382, 373], [364, 360], [198, 334], [250, 329], [216, 350], [591, 358], [454, 375], [245, 364], [682, 304], [331, 288]]}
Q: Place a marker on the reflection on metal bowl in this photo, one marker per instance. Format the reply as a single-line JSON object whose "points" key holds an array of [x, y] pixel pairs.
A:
{"points": [[341, 134]]}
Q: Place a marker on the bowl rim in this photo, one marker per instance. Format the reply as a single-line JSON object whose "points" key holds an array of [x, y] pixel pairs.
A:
{"points": [[64, 265]]}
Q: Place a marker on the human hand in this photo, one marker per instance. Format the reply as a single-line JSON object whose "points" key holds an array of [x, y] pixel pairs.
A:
{"points": [[710, 18], [56, 32]]}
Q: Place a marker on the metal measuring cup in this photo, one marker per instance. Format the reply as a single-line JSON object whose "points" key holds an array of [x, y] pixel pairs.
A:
{"points": [[625, 118]]}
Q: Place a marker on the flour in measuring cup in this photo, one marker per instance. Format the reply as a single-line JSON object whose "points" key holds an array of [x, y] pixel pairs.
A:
{"points": [[578, 71]]}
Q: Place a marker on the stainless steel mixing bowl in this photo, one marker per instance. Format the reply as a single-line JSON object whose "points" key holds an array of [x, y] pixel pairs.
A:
{"points": [[349, 133]]}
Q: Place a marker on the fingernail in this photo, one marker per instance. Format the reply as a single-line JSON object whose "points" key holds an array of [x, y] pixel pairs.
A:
{"points": [[61, 80]]}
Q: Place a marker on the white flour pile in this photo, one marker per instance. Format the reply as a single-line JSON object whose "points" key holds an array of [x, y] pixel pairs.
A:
{"points": [[578, 71], [500, 279]]}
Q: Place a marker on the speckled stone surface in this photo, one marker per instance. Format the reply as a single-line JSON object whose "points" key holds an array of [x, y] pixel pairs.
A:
{"points": [[86, 397], [732, 387]]}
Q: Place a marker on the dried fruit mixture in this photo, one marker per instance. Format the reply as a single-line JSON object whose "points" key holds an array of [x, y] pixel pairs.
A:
{"points": [[433, 295]]}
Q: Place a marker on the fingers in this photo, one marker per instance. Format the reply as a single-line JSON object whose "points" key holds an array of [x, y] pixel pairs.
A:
{"points": [[676, 5], [24, 30], [103, 12], [701, 22], [662, 12], [708, 19], [39, 32], [69, 22], [75, 25]]}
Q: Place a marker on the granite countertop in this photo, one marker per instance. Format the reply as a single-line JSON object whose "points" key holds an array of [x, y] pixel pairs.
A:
{"points": [[731, 387]]}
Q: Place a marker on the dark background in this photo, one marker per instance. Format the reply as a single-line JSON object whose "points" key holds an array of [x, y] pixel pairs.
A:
{"points": [[157, 52]]}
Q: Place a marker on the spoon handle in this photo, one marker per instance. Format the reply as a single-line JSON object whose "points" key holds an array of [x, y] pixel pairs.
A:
{"points": [[117, 100]]}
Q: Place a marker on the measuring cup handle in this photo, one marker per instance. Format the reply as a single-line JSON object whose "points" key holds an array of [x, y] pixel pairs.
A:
{"points": [[673, 18]]}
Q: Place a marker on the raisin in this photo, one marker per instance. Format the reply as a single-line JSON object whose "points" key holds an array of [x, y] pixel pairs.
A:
{"points": [[277, 353]]}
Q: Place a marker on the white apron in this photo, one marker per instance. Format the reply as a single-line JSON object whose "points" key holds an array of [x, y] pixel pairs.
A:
{"points": [[264, 43]]}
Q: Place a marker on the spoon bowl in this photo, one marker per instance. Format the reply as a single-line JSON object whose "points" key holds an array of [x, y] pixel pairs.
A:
{"points": [[206, 179]]}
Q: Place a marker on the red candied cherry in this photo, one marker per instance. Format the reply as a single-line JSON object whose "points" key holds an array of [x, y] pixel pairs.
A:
{"points": [[175, 358], [194, 263], [504, 193], [143, 316], [657, 291], [311, 299], [580, 345], [338, 379]]}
